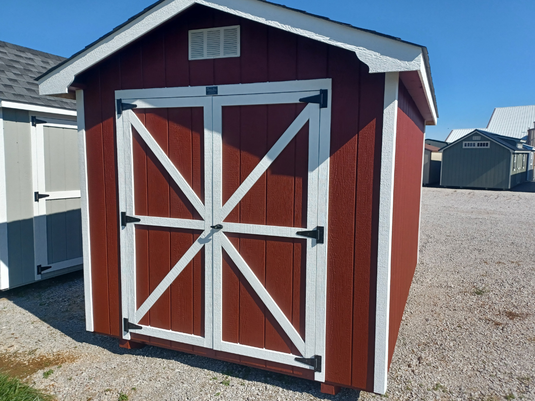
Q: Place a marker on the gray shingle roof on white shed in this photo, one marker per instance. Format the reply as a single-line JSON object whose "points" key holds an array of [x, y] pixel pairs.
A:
{"points": [[19, 66], [512, 121]]}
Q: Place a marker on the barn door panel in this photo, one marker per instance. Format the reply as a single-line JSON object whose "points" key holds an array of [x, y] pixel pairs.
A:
{"points": [[57, 222], [227, 195], [165, 277], [268, 149]]}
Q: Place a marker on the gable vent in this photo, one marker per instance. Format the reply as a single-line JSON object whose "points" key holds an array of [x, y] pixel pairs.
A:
{"points": [[214, 43]]}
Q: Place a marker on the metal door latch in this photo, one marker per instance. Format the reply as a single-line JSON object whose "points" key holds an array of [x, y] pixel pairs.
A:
{"points": [[217, 227], [315, 362]]}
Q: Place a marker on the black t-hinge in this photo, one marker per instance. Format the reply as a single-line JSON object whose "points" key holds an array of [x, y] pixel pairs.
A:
{"points": [[321, 98], [124, 106], [128, 219], [127, 326], [41, 269], [317, 234], [315, 362], [37, 196], [36, 121]]}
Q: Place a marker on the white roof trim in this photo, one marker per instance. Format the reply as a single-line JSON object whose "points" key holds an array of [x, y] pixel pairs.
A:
{"points": [[36, 108], [379, 53]]}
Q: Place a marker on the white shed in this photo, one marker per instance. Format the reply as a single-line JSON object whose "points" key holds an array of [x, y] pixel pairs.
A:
{"points": [[40, 229]]}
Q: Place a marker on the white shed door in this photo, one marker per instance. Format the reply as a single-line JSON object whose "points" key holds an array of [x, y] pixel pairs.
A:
{"points": [[57, 218], [257, 226]]}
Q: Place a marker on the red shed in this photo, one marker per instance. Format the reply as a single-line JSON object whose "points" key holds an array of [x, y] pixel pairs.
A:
{"points": [[252, 185]]}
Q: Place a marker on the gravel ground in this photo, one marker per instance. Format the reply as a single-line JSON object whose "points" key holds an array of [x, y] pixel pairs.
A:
{"points": [[468, 332]]}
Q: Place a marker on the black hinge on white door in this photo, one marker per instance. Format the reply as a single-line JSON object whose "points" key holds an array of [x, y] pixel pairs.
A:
{"points": [[41, 269], [128, 219], [317, 234], [124, 106], [37, 196], [315, 362], [127, 326], [36, 121], [321, 98]]}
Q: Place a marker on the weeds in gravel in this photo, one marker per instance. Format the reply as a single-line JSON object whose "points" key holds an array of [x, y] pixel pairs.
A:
{"points": [[122, 397], [226, 382], [439, 386], [47, 374], [15, 390], [510, 396], [480, 291]]}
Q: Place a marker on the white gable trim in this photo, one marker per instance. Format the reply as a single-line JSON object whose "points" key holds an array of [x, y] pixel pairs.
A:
{"points": [[379, 53], [36, 108]]}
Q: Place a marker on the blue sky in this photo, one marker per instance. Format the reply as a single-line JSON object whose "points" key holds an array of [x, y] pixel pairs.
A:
{"points": [[482, 52]]}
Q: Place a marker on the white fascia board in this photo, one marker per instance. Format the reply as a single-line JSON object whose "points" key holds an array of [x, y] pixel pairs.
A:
{"points": [[36, 108], [426, 85], [380, 53], [384, 241], [4, 271], [86, 245]]}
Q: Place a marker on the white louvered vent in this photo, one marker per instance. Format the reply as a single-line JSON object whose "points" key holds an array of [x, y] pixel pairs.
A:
{"points": [[214, 43]]}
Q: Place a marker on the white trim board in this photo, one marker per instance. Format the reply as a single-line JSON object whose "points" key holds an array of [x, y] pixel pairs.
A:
{"points": [[384, 245], [380, 53], [37, 109], [4, 271], [86, 244]]}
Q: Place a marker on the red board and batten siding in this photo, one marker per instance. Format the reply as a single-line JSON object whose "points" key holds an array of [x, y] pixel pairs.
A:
{"points": [[160, 59], [406, 213]]}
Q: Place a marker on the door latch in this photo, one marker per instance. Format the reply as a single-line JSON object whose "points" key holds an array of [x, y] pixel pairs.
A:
{"points": [[37, 196], [217, 227]]}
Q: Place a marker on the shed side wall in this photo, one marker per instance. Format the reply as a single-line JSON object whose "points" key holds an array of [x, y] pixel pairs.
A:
{"points": [[406, 213], [160, 59], [476, 168]]}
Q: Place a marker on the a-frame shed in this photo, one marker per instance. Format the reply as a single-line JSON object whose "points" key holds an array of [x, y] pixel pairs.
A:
{"points": [[253, 182]]}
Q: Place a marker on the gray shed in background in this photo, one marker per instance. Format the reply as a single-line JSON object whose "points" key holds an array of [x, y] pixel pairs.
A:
{"points": [[40, 223], [486, 160]]}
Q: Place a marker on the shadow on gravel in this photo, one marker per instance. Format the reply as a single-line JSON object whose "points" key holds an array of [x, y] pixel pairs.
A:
{"points": [[59, 302]]}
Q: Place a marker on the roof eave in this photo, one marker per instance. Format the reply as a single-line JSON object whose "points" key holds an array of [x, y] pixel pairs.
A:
{"points": [[380, 53]]}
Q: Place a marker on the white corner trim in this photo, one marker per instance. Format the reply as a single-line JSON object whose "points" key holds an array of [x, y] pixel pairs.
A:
{"points": [[86, 244], [421, 193], [380, 53], [384, 246], [36, 108], [4, 270]]}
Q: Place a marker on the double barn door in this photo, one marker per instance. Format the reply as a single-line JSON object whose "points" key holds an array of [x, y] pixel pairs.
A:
{"points": [[223, 200]]}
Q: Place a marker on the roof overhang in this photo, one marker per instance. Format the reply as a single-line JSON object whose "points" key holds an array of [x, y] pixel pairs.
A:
{"points": [[36, 108], [380, 53]]}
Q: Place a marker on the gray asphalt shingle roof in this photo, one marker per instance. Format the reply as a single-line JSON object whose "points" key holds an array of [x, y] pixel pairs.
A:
{"points": [[19, 66]]}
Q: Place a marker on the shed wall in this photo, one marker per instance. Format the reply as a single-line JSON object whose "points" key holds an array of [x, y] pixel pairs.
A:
{"points": [[19, 191], [406, 213], [476, 168], [160, 59]]}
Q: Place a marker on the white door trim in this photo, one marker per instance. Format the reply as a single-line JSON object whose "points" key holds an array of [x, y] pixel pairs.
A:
{"points": [[39, 207], [4, 250]]}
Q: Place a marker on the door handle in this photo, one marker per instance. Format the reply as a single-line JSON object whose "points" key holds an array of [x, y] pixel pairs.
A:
{"points": [[217, 227], [37, 196]]}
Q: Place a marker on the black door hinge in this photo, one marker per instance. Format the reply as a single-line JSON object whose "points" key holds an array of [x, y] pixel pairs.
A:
{"points": [[127, 326], [41, 269], [321, 98], [317, 234], [128, 219], [37, 196], [315, 362], [124, 106], [36, 121]]}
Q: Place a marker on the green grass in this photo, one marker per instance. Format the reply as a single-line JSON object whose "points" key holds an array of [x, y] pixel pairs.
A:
{"points": [[15, 390]]}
